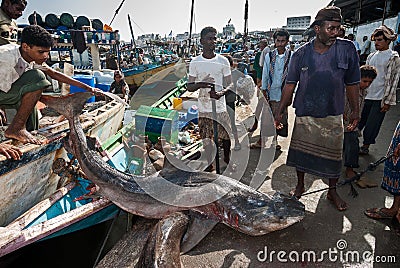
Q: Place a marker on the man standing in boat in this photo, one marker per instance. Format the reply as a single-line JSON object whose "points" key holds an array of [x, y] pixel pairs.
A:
{"points": [[23, 71], [210, 71]]}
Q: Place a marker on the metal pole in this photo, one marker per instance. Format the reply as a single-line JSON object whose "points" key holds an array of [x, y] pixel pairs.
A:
{"points": [[130, 26], [191, 24], [215, 132], [246, 16], [384, 12], [116, 11]]}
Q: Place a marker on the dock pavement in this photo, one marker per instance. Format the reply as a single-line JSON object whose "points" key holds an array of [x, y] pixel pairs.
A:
{"points": [[325, 237]]}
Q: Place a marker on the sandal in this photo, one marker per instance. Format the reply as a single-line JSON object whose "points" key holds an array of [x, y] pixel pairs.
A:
{"points": [[255, 145], [377, 213], [363, 150]]}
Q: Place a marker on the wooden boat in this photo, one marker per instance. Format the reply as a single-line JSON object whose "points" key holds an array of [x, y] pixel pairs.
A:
{"points": [[137, 75], [59, 212], [30, 189]]}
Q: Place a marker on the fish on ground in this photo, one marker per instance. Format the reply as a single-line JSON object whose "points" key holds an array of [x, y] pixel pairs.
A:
{"points": [[234, 204]]}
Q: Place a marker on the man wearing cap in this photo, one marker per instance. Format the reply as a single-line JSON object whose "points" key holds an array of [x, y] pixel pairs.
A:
{"points": [[382, 92], [325, 69]]}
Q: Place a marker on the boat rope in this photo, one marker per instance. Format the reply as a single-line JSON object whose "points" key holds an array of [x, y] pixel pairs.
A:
{"points": [[353, 191], [106, 237]]}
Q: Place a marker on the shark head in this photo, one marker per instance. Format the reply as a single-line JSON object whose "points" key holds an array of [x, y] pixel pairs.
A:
{"points": [[264, 216], [256, 213]]}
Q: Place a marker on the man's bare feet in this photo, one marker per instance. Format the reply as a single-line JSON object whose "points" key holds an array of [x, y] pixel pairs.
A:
{"points": [[298, 191], [350, 173], [21, 135], [339, 203]]}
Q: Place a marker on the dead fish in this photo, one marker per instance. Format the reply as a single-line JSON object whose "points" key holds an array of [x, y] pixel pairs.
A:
{"points": [[241, 207]]}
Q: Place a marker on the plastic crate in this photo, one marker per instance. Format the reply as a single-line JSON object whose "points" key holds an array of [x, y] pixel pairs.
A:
{"points": [[155, 122]]}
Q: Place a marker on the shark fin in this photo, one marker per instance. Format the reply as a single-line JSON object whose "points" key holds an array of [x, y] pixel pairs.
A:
{"points": [[198, 228], [69, 106]]}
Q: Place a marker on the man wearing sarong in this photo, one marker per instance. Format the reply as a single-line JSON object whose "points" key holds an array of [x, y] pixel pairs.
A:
{"points": [[324, 69], [206, 72]]}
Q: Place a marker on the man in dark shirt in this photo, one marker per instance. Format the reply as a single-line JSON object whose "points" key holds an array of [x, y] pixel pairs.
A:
{"points": [[324, 69]]}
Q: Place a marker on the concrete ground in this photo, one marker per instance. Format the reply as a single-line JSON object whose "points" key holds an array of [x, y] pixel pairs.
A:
{"points": [[325, 237]]}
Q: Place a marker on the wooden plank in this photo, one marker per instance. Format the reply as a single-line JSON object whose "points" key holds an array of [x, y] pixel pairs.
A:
{"points": [[22, 221], [13, 239]]}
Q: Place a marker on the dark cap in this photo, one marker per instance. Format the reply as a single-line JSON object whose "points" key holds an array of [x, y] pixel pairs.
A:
{"points": [[331, 13]]}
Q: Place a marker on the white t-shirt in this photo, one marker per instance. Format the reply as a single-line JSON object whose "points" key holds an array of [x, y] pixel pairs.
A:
{"points": [[13, 66], [218, 68], [380, 60]]}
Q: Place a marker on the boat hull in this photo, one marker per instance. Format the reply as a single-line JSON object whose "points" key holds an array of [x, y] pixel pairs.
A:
{"points": [[137, 76], [26, 182]]}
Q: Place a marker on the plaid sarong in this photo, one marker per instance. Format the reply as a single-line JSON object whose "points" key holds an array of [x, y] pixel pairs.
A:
{"points": [[316, 146], [206, 126]]}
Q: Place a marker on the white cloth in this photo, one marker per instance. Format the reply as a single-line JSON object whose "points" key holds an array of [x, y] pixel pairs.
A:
{"points": [[264, 53], [218, 68], [380, 60], [12, 66]]}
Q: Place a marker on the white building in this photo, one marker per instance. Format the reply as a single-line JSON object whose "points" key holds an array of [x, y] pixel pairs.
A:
{"points": [[302, 22], [228, 31]]}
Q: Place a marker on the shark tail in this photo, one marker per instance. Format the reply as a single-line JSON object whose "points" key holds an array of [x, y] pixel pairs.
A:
{"points": [[70, 105]]}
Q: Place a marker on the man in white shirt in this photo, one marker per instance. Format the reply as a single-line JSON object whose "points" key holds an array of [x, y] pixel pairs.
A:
{"points": [[382, 92], [207, 71], [23, 78], [352, 38], [365, 50]]}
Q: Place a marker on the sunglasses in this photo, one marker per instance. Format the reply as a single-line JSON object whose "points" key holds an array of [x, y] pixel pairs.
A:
{"points": [[118, 76]]}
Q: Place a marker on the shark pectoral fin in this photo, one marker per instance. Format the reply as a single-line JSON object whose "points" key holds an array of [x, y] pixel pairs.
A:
{"points": [[198, 228], [162, 247]]}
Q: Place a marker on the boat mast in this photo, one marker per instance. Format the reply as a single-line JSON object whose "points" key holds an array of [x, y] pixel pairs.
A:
{"points": [[191, 24], [246, 16], [133, 37], [116, 11]]}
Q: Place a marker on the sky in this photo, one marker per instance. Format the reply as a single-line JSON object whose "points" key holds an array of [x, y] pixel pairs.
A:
{"points": [[163, 16]]}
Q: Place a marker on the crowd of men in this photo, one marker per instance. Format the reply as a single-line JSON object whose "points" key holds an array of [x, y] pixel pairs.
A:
{"points": [[322, 79]]}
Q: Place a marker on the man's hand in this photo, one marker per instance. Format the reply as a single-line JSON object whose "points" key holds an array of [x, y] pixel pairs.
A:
{"points": [[354, 119], [10, 151], [277, 121], [385, 108], [95, 91], [216, 95]]}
